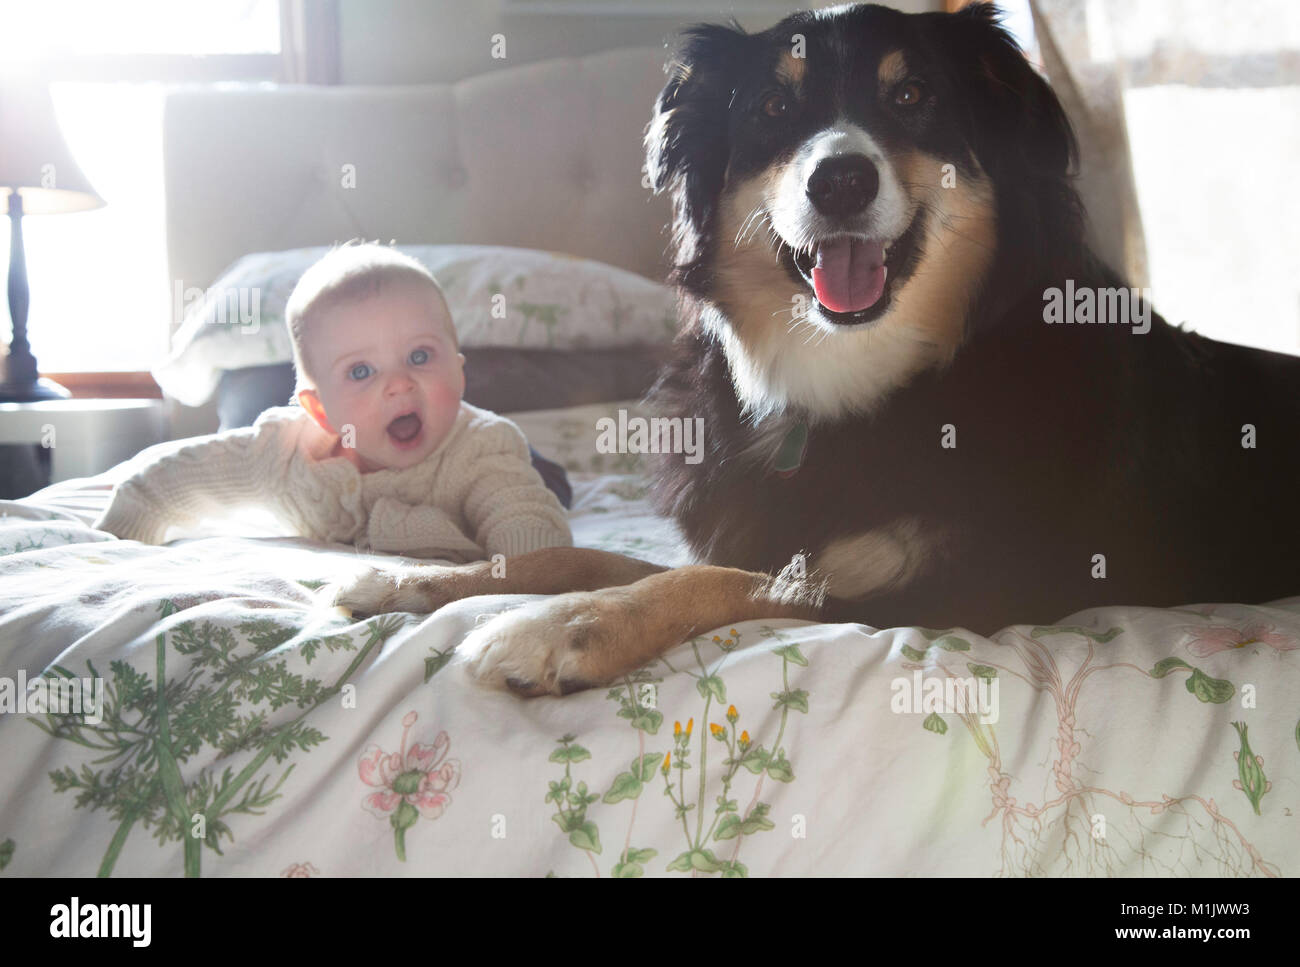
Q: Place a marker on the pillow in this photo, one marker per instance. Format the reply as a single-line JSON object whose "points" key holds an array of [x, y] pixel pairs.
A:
{"points": [[498, 296], [572, 437]]}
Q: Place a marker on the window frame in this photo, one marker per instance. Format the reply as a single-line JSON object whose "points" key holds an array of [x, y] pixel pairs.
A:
{"points": [[309, 53]]}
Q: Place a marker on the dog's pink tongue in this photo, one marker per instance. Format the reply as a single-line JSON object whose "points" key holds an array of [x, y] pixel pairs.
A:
{"points": [[850, 274]]}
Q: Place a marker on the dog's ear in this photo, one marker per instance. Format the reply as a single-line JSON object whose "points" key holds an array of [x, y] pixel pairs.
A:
{"points": [[686, 142], [1015, 115]]}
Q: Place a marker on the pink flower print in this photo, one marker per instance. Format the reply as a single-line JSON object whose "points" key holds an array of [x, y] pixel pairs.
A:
{"points": [[413, 782], [300, 871], [1209, 641]]}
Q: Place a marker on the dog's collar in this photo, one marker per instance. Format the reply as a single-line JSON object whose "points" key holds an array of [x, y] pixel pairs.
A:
{"points": [[789, 455]]}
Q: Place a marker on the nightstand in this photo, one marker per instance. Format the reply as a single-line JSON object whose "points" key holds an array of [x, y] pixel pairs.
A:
{"points": [[83, 437]]}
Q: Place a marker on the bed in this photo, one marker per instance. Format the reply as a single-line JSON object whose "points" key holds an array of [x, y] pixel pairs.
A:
{"points": [[197, 709]]}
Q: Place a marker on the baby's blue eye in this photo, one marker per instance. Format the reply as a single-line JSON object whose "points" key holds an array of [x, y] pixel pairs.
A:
{"points": [[359, 372], [419, 357]]}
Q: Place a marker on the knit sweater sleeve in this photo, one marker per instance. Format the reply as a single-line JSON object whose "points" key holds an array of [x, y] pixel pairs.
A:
{"points": [[420, 530], [507, 505], [203, 478]]}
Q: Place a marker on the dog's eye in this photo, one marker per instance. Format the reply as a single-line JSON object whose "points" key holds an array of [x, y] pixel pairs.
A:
{"points": [[776, 106], [910, 94]]}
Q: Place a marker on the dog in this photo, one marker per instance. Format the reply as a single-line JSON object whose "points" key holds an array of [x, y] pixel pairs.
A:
{"points": [[926, 401]]}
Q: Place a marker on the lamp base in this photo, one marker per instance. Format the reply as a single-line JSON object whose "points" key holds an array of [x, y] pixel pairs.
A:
{"points": [[33, 391]]}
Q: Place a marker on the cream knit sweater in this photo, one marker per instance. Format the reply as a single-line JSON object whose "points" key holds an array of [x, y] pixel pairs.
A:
{"points": [[475, 496]]}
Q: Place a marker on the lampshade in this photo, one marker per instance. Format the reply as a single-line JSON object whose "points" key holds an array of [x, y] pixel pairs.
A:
{"points": [[34, 160]]}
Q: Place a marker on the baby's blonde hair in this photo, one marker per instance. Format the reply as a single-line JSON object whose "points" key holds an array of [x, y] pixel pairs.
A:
{"points": [[352, 271]]}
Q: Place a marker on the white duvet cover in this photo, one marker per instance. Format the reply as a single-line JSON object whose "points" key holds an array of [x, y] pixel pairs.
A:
{"points": [[224, 724]]}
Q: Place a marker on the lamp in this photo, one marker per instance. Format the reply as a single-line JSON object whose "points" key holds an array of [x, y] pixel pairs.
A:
{"points": [[39, 177]]}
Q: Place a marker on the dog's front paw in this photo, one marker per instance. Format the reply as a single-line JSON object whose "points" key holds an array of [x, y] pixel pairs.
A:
{"points": [[553, 647], [420, 589]]}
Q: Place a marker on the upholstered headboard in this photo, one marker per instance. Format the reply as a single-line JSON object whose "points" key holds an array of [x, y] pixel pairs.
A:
{"points": [[546, 155]]}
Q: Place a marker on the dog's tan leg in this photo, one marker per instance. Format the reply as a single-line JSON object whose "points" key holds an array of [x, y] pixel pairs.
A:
{"points": [[578, 641], [424, 588]]}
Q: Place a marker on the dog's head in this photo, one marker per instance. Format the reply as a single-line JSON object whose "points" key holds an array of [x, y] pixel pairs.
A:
{"points": [[845, 185]]}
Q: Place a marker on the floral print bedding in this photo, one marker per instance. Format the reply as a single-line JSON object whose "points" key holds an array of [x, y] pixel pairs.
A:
{"points": [[224, 723]]}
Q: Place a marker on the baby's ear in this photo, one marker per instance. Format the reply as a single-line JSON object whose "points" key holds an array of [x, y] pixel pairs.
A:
{"points": [[310, 402]]}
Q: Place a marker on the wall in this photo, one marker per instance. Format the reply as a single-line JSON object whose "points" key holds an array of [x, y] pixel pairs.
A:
{"points": [[436, 41]]}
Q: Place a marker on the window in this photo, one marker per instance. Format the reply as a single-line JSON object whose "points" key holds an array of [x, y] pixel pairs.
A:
{"points": [[1211, 102], [100, 298], [1206, 97]]}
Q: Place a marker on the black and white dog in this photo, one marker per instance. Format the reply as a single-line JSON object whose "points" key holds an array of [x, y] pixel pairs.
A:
{"points": [[910, 365], [925, 401]]}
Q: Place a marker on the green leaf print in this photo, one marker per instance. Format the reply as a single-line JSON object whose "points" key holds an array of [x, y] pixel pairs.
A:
{"points": [[649, 763], [1101, 637], [437, 662], [791, 652], [732, 826], [571, 803], [642, 717], [646, 719], [779, 768], [692, 776], [572, 753], [1250, 771], [939, 639], [755, 760], [626, 786], [696, 859], [982, 671], [150, 727], [1165, 665], [712, 684], [586, 837], [929, 634], [728, 828], [632, 863], [796, 699], [1209, 689]]}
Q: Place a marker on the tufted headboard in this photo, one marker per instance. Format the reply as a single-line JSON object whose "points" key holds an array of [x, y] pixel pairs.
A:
{"points": [[547, 155]]}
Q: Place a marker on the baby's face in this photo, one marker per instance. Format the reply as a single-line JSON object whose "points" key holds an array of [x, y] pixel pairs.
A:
{"points": [[387, 366]]}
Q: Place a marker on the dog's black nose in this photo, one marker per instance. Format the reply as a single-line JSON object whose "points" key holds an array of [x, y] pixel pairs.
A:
{"points": [[843, 185]]}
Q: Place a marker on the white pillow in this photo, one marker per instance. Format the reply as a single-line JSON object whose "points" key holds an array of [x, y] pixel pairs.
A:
{"points": [[551, 301]]}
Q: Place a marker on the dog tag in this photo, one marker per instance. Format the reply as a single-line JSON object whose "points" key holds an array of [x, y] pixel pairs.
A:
{"points": [[789, 455]]}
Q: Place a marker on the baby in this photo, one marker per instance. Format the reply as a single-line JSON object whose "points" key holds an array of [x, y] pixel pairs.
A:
{"points": [[383, 452]]}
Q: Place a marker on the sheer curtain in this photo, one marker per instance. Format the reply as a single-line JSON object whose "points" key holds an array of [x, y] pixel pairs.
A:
{"points": [[1187, 113]]}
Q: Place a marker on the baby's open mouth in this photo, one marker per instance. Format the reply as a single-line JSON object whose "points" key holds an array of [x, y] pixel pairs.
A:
{"points": [[405, 428]]}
